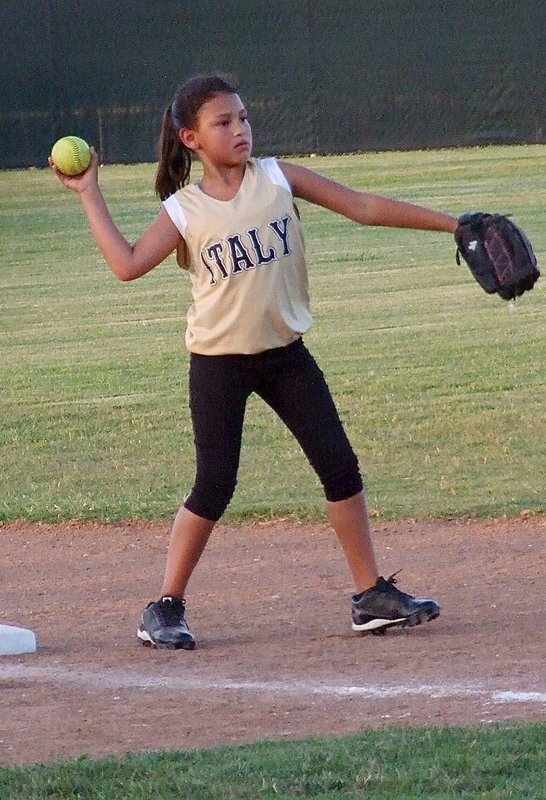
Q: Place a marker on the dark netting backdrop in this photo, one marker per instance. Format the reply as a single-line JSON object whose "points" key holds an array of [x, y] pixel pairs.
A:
{"points": [[317, 75]]}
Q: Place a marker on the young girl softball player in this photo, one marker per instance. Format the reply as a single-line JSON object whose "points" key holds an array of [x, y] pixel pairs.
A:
{"points": [[238, 235]]}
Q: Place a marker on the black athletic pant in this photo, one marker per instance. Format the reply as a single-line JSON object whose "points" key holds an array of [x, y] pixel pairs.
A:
{"points": [[289, 381]]}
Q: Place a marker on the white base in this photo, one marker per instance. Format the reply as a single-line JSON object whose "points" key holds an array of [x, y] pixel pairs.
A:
{"points": [[14, 641]]}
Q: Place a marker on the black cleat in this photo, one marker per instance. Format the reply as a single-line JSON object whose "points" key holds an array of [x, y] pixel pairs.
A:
{"points": [[384, 606], [163, 625]]}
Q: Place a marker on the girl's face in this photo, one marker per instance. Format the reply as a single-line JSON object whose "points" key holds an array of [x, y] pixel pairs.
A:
{"points": [[222, 134]]}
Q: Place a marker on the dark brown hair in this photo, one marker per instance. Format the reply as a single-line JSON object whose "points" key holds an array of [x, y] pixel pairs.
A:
{"points": [[173, 170]]}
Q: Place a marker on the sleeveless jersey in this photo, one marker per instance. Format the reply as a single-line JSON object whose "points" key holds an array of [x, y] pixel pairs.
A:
{"points": [[246, 260]]}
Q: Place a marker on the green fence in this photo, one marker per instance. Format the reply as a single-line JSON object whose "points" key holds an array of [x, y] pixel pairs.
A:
{"points": [[318, 76]]}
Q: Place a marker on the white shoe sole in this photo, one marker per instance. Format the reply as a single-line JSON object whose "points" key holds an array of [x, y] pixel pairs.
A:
{"points": [[147, 641], [379, 625]]}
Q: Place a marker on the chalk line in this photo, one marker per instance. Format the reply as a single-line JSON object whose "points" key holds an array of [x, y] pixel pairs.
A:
{"points": [[118, 680]]}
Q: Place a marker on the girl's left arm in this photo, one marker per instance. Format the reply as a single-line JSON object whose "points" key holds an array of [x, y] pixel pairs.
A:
{"points": [[367, 209]]}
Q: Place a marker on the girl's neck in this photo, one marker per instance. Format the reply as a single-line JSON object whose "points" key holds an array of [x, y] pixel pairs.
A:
{"points": [[222, 183]]}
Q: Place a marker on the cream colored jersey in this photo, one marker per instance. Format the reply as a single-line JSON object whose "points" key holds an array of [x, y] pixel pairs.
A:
{"points": [[246, 260]]}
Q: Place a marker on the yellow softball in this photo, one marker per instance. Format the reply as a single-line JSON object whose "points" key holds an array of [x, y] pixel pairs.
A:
{"points": [[71, 155]]}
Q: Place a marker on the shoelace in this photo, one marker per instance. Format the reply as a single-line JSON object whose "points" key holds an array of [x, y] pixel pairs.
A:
{"points": [[392, 580], [171, 610]]}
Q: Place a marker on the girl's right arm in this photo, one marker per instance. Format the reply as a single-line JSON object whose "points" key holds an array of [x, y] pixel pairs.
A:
{"points": [[127, 261]]}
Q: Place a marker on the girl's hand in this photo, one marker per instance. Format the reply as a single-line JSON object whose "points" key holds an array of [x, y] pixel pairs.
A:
{"points": [[79, 183], [127, 261]]}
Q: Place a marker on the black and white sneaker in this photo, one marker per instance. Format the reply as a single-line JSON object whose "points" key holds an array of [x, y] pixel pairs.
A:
{"points": [[163, 625], [384, 606]]}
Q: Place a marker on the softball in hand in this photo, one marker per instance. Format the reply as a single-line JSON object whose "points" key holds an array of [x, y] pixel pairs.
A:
{"points": [[71, 155]]}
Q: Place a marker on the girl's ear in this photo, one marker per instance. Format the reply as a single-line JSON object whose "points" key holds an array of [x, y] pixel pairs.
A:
{"points": [[188, 138]]}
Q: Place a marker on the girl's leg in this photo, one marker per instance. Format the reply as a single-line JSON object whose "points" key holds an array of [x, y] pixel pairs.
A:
{"points": [[217, 399], [163, 622], [189, 536], [218, 395], [299, 394], [349, 519]]}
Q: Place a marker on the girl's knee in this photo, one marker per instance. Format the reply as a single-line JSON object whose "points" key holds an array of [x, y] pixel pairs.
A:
{"points": [[209, 499], [342, 479]]}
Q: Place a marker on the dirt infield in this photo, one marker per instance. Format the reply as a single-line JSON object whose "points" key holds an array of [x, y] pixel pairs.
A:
{"points": [[276, 657]]}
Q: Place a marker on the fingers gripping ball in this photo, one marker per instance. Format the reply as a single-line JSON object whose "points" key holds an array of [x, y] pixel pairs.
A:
{"points": [[71, 155]]}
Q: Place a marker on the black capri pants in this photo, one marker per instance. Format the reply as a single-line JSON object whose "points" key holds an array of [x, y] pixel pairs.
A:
{"points": [[290, 381]]}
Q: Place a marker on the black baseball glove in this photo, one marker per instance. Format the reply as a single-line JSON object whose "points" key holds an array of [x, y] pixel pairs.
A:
{"points": [[498, 254]]}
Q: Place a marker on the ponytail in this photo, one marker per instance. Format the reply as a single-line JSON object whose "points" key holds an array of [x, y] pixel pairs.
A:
{"points": [[175, 159], [173, 170]]}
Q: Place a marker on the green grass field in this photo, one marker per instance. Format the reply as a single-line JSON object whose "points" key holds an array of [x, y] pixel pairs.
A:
{"points": [[496, 762], [441, 388]]}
